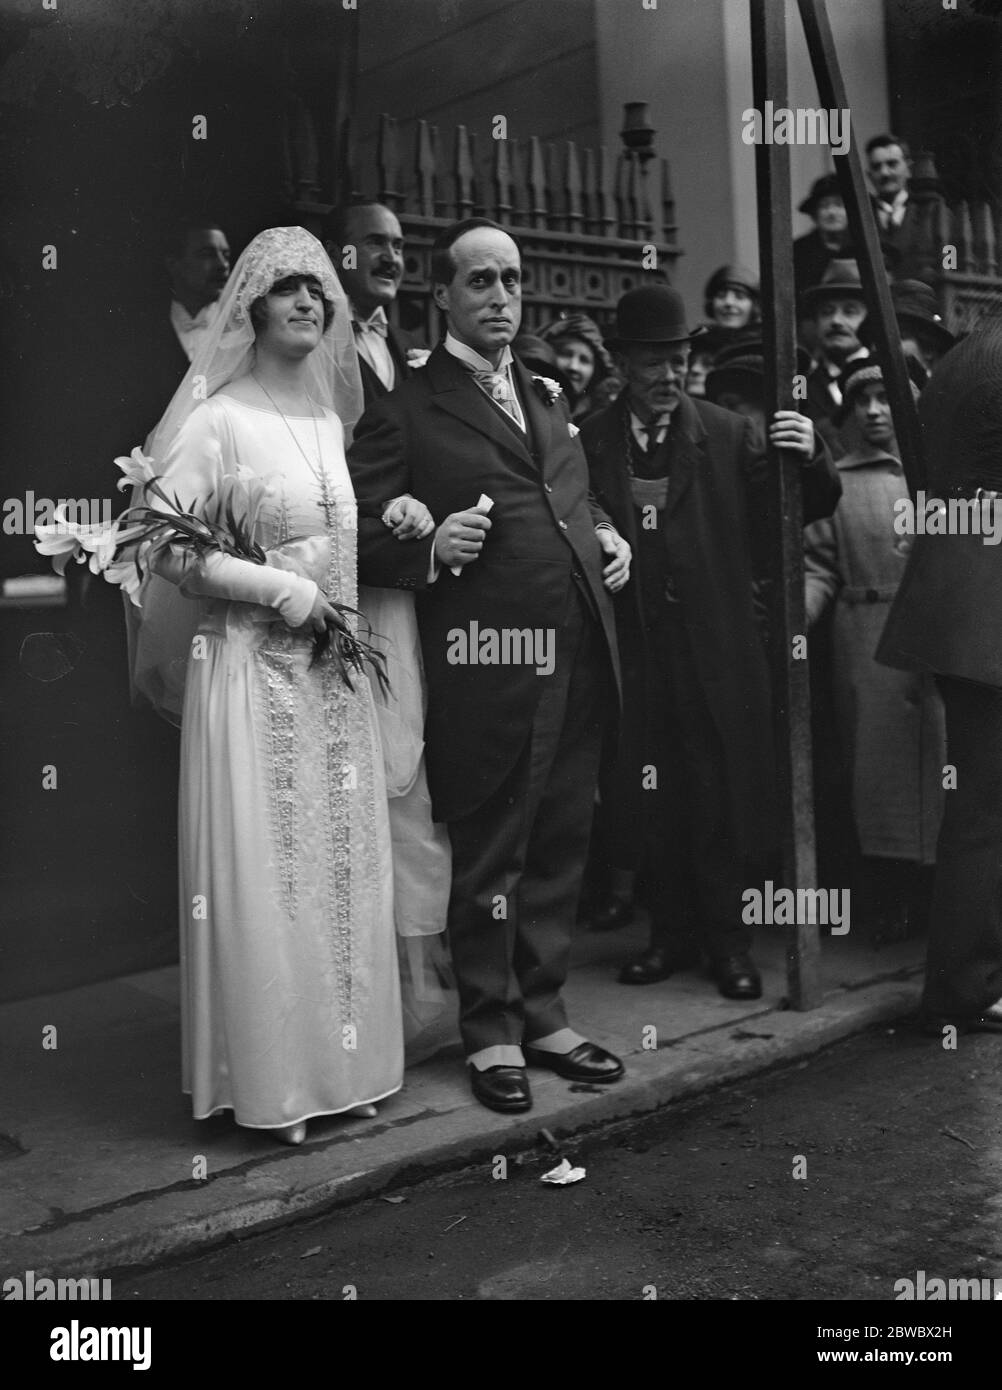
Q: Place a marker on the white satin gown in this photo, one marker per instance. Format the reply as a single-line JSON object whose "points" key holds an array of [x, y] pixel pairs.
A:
{"points": [[290, 989]]}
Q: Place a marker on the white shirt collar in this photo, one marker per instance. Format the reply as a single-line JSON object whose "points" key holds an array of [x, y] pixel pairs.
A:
{"points": [[378, 315], [473, 359], [185, 322], [190, 330]]}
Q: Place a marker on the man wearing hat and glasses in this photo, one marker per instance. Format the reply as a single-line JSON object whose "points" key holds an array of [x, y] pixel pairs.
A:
{"points": [[690, 797]]}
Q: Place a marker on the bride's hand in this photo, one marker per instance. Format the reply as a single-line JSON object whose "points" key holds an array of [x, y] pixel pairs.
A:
{"points": [[409, 519], [320, 614]]}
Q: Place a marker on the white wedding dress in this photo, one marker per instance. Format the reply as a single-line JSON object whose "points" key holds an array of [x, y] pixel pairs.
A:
{"points": [[290, 988]]}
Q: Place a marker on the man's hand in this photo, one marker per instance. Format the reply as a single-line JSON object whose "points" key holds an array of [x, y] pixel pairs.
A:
{"points": [[460, 538], [789, 430], [408, 518], [617, 571]]}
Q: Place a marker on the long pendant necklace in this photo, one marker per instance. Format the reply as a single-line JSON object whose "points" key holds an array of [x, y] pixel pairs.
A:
{"points": [[327, 501]]}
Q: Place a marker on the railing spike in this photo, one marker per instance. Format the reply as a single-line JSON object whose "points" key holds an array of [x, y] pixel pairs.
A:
{"points": [[572, 186], [537, 184], [425, 168], [464, 173]]}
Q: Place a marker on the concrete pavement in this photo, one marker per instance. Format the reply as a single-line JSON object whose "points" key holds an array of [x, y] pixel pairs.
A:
{"points": [[102, 1165]]}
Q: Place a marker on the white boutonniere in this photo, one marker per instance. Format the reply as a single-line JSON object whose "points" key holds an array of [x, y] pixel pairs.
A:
{"points": [[549, 390], [572, 429], [417, 357]]}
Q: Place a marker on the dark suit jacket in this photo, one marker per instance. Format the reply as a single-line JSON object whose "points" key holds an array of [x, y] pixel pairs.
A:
{"points": [[947, 614], [811, 258], [904, 254], [438, 437], [720, 537], [398, 341]]}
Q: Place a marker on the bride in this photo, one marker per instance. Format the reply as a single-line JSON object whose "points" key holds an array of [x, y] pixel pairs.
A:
{"points": [[291, 1002]]}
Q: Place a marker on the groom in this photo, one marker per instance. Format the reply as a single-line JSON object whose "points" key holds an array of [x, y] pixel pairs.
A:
{"points": [[519, 653]]}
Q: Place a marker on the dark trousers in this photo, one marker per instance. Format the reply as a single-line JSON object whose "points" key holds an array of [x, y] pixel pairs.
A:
{"points": [[518, 860], [964, 963], [693, 868]]}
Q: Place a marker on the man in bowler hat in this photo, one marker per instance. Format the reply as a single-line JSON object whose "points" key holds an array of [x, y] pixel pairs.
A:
{"points": [[690, 799]]}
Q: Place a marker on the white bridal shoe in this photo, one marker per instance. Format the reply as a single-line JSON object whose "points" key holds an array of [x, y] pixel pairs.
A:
{"points": [[364, 1112], [291, 1134]]}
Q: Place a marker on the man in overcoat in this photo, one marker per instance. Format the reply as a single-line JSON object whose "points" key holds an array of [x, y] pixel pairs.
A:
{"points": [[947, 619], [692, 792], [518, 640]]}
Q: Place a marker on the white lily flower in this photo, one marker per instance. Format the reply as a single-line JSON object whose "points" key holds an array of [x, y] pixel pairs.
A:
{"points": [[123, 572], [138, 469], [58, 543]]}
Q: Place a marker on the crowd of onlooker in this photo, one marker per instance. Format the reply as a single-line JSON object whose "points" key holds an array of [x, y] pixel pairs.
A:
{"points": [[878, 733]]}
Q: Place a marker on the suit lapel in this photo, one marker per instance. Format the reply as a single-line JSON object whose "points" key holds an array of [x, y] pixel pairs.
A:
{"points": [[398, 351], [686, 444], [538, 417], [372, 387], [615, 483], [461, 397]]}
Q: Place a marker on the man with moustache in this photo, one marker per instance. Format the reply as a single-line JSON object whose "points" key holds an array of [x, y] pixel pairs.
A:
{"points": [[837, 306], [512, 754], [690, 800], [888, 164], [371, 279]]}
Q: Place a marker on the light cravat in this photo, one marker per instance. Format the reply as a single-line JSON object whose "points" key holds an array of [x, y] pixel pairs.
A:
{"points": [[371, 340]]}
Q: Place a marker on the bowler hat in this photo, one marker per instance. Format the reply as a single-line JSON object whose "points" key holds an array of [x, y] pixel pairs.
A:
{"points": [[841, 277], [825, 187], [651, 314]]}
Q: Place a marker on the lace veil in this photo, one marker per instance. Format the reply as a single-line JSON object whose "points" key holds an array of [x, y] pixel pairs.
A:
{"points": [[161, 629]]}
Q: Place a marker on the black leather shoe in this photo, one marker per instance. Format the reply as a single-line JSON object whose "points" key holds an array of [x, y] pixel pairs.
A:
{"points": [[657, 963], [988, 1021], [737, 977], [614, 913], [586, 1062], [502, 1088]]}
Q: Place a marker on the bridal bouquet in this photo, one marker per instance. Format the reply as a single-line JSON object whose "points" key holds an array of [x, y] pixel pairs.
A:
{"points": [[121, 550]]}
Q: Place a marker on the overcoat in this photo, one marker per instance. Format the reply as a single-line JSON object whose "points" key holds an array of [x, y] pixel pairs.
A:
{"points": [[947, 617], [890, 723], [715, 478]]}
